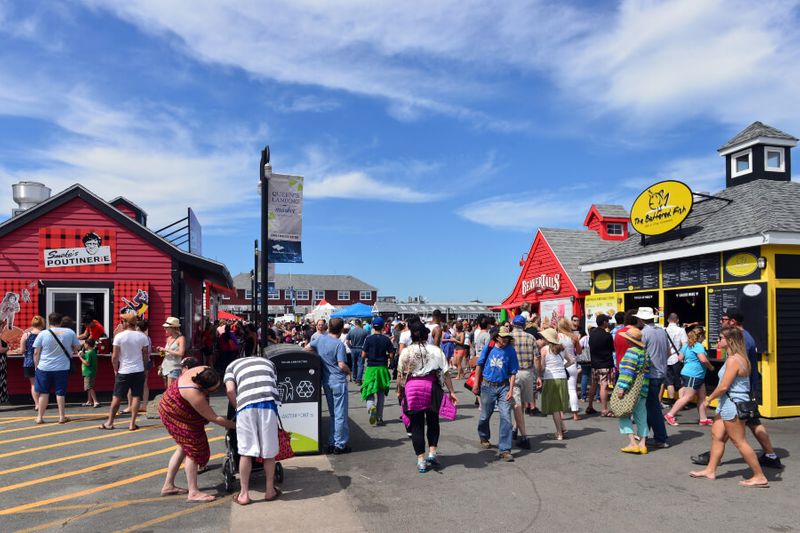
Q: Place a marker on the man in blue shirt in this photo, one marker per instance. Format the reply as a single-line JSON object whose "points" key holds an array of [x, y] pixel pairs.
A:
{"points": [[334, 382], [494, 380], [52, 361], [355, 340]]}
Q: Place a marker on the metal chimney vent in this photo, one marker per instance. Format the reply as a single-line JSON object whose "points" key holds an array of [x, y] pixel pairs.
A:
{"points": [[28, 194]]}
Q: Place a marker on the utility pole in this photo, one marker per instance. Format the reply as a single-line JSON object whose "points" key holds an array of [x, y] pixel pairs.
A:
{"points": [[265, 172]]}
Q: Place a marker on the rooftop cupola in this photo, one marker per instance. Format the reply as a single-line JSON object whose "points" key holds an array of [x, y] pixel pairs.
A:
{"points": [[758, 152]]}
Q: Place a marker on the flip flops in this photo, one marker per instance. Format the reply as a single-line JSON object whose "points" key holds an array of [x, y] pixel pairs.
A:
{"points": [[105, 427], [66, 419], [134, 428], [277, 495]]}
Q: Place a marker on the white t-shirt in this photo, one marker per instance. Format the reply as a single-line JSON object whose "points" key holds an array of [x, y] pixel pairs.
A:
{"points": [[405, 337], [678, 336], [130, 344]]}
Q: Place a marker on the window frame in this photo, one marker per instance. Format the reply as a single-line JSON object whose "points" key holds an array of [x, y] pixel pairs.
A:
{"points": [[361, 295], [319, 294], [779, 150], [248, 294], [274, 295], [615, 225], [737, 155], [339, 295], [298, 294]]}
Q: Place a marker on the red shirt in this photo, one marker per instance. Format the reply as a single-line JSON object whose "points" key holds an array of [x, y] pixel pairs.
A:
{"points": [[95, 330], [620, 344]]}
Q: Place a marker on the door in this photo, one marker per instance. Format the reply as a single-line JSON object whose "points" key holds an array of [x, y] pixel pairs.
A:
{"points": [[81, 305], [788, 330]]}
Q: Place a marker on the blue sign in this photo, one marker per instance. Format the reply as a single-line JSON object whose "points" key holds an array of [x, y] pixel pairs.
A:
{"points": [[284, 252]]}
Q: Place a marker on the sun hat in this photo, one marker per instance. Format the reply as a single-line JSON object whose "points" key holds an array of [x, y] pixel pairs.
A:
{"points": [[172, 322], [550, 335], [645, 313], [633, 335], [503, 332], [519, 320]]}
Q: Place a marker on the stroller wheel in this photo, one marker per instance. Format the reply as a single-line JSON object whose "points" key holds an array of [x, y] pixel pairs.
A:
{"points": [[228, 474], [279, 472]]}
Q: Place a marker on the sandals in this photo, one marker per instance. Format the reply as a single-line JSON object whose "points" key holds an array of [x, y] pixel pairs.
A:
{"points": [[277, 495], [65, 420], [105, 427], [133, 428]]}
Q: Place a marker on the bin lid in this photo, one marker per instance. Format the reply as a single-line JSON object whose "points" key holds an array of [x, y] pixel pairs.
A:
{"points": [[288, 356]]}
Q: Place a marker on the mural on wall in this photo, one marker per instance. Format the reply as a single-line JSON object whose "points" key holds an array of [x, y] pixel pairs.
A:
{"points": [[131, 297], [18, 306]]}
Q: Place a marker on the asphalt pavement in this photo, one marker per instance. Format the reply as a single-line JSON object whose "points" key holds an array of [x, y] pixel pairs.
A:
{"points": [[74, 477]]}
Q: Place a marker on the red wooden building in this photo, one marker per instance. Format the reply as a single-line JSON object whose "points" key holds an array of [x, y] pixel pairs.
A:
{"points": [[79, 255], [551, 279]]}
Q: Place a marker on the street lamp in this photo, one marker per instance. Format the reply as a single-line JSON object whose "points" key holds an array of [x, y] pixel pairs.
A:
{"points": [[265, 172]]}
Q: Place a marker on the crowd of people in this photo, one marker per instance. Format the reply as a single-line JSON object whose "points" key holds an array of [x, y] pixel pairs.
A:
{"points": [[627, 360]]}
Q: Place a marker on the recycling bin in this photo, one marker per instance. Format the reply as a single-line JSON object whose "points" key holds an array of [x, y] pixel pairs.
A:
{"points": [[300, 392]]}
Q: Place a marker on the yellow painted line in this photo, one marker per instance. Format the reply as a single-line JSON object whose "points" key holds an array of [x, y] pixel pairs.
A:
{"points": [[176, 514], [71, 415], [60, 523], [15, 420], [92, 468], [41, 426], [81, 455], [82, 428], [93, 490], [106, 435]]}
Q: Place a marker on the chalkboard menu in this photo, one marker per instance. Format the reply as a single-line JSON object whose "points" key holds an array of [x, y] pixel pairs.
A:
{"points": [[700, 270], [636, 277], [750, 299]]}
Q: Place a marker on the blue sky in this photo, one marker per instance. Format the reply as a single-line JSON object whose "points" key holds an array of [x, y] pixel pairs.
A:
{"points": [[434, 137]]}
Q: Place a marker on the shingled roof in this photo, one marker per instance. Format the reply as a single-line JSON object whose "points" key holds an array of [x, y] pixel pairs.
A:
{"points": [[572, 247], [754, 131], [611, 210], [309, 282], [753, 209]]}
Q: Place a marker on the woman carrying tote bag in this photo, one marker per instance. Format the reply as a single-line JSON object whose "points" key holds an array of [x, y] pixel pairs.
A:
{"points": [[630, 393]]}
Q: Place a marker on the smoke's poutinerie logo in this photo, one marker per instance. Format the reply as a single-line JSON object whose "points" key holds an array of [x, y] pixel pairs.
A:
{"points": [[92, 253]]}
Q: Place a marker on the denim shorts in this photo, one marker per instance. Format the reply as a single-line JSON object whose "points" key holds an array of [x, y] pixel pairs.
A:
{"points": [[48, 379], [694, 383]]}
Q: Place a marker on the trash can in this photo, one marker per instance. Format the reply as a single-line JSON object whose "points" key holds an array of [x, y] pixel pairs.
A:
{"points": [[300, 391]]}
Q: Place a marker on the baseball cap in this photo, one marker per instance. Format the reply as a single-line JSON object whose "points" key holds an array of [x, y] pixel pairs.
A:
{"points": [[377, 322], [519, 320]]}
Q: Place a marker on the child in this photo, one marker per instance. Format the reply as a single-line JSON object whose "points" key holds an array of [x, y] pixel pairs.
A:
{"points": [[88, 357]]}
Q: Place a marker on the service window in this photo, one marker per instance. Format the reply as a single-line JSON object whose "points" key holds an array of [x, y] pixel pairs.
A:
{"points": [[688, 304], [81, 305]]}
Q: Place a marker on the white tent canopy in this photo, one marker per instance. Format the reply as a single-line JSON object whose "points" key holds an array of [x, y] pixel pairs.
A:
{"points": [[322, 311]]}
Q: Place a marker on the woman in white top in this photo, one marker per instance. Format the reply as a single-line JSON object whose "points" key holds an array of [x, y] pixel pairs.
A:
{"points": [[554, 378], [572, 348], [173, 351]]}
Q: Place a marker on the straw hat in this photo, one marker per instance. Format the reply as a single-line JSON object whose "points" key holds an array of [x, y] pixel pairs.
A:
{"points": [[503, 332], [633, 335], [550, 335], [172, 322]]}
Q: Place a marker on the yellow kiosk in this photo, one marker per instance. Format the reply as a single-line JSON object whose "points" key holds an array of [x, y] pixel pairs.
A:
{"points": [[698, 254]]}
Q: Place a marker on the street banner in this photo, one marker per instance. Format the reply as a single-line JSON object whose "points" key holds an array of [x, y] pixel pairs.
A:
{"points": [[285, 219]]}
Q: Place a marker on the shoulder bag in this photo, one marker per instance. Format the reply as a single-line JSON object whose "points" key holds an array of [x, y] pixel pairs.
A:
{"points": [[66, 353], [624, 406], [285, 450], [746, 409]]}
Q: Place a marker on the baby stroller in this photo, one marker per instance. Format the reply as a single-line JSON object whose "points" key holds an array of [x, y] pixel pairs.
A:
{"points": [[230, 465]]}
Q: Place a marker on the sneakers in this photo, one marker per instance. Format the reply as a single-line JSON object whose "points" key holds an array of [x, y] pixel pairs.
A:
{"points": [[380, 422], [665, 405], [506, 456], [706, 422], [524, 443], [422, 466], [769, 462], [535, 411], [432, 461], [590, 411], [485, 444], [341, 451], [701, 459], [658, 445], [670, 419], [373, 415]]}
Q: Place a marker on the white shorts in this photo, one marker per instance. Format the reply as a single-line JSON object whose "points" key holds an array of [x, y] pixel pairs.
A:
{"points": [[257, 433]]}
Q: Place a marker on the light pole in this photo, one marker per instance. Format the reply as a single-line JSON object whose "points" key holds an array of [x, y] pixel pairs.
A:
{"points": [[265, 172]]}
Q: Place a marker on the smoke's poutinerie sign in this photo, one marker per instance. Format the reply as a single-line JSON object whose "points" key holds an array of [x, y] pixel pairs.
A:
{"points": [[84, 249]]}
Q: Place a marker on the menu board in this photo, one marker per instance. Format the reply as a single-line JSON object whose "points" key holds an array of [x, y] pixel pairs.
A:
{"points": [[636, 277], [700, 270], [750, 299]]}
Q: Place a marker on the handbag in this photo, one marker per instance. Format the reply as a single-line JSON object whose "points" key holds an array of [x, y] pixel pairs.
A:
{"points": [[447, 410], [624, 406], [285, 450], [745, 410], [470, 381]]}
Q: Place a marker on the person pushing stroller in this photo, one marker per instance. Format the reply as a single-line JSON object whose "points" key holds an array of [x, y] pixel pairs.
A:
{"points": [[250, 383]]}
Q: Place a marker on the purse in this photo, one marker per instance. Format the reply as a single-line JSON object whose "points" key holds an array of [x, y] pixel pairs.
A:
{"points": [[745, 410], [447, 410], [624, 406], [285, 450]]}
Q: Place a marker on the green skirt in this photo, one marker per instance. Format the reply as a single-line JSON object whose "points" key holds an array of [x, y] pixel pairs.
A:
{"points": [[376, 378], [555, 397]]}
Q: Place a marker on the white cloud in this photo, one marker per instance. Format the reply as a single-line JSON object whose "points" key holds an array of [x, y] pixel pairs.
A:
{"points": [[308, 104], [360, 186]]}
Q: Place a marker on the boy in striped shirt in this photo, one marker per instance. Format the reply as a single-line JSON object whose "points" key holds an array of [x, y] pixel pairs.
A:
{"points": [[250, 385]]}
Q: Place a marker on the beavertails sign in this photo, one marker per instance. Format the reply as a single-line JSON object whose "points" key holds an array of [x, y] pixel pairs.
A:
{"points": [[541, 282], [662, 207]]}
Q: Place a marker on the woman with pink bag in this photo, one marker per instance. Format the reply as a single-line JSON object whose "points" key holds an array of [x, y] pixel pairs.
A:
{"points": [[422, 377]]}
